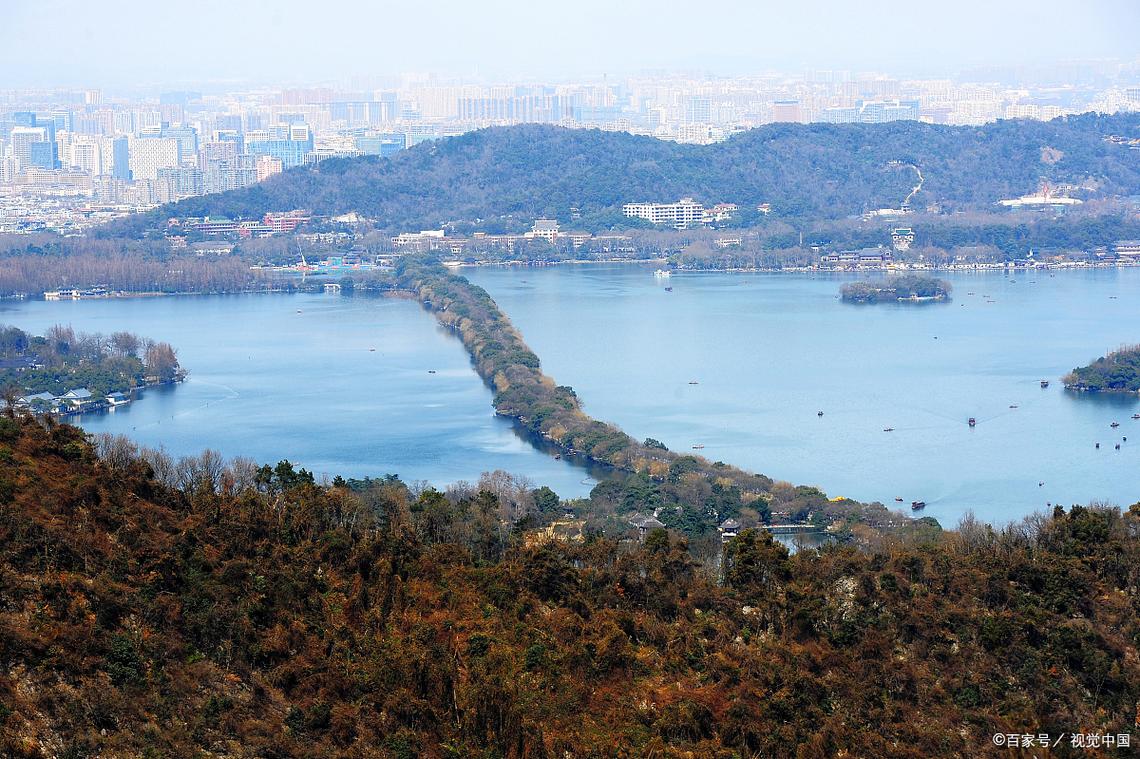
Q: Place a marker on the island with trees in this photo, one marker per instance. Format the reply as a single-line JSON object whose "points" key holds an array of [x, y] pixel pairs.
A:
{"points": [[1118, 372], [908, 288], [64, 372]]}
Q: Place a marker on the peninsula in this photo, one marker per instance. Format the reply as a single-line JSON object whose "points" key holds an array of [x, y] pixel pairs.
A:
{"points": [[1118, 372], [62, 372]]}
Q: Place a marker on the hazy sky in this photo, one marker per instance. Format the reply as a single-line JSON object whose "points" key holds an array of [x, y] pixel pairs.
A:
{"points": [[113, 43]]}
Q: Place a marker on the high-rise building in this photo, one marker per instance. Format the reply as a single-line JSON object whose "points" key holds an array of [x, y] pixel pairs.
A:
{"points": [[178, 182], [24, 139], [787, 110], [187, 142], [44, 155], [62, 121], [149, 154], [121, 159], [86, 155], [267, 166], [699, 110], [221, 174], [290, 143]]}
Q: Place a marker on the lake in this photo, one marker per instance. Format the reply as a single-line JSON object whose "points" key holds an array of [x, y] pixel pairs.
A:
{"points": [[769, 351], [295, 376]]}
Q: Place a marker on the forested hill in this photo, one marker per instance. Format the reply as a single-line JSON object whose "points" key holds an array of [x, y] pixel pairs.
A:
{"points": [[815, 171], [197, 608]]}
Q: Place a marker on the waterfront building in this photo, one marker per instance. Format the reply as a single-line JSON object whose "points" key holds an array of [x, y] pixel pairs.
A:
{"points": [[544, 229], [865, 258], [681, 215], [1128, 250]]}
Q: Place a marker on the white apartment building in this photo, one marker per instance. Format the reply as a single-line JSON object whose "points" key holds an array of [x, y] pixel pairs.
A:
{"points": [[85, 154], [680, 215], [149, 154]]}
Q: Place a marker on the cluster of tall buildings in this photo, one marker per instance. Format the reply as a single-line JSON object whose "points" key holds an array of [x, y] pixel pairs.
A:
{"points": [[133, 152]]}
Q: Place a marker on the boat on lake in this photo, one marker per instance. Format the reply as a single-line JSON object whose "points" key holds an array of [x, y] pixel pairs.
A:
{"points": [[888, 429], [662, 273], [1136, 416], [898, 499], [972, 422], [917, 505], [1114, 425], [1044, 384]]}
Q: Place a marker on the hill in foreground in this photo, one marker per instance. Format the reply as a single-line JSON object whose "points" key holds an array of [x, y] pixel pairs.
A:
{"points": [[251, 612], [814, 171]]}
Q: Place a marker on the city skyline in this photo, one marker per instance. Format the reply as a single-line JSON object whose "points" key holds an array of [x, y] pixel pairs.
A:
{"points": [[128, 46]]}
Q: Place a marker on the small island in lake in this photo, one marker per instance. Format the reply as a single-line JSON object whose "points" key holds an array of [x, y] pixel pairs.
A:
{"points": [[1118, 372], [906, 288]]}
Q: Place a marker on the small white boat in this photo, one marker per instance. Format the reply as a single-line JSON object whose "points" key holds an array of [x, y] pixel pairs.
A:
{"points": [[662, 273]]}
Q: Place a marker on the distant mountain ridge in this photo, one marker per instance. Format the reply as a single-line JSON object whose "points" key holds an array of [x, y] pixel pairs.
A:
{"points": [[813, 171]]}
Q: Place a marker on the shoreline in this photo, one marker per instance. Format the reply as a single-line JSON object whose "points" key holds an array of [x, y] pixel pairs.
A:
{"points": [[457, 266], [953, 268]]}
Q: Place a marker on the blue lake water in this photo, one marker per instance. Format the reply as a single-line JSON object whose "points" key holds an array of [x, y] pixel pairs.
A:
{"points": [[293, 376], [770, 351]]}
